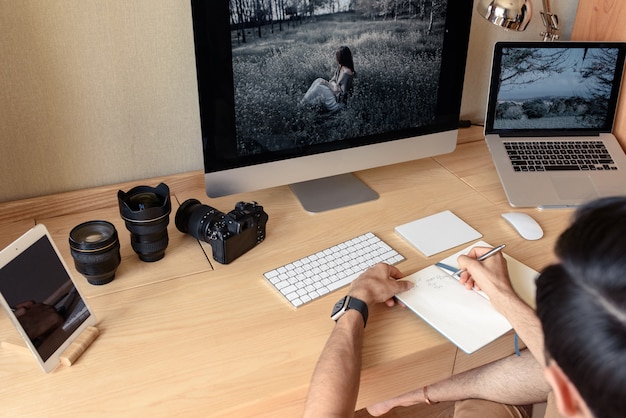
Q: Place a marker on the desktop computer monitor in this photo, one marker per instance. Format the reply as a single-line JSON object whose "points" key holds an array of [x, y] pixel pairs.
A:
{"points": [[266, 121]]}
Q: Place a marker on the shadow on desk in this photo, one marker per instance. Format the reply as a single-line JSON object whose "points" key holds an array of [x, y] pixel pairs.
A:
{"points": [[440, 410], [415, 411]]}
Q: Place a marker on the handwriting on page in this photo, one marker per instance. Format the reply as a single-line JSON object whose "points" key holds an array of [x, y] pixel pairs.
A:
{"points": [[433, 279], [434, 282]]}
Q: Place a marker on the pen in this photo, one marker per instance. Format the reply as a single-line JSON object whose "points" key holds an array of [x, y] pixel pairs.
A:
{"points": [[482, 257]]}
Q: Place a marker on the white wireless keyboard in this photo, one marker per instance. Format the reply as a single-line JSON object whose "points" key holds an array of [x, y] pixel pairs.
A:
{"points": [[313, 276]]}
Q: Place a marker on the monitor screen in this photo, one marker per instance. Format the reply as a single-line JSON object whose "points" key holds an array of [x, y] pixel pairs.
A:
{"points": [[292, 91]]}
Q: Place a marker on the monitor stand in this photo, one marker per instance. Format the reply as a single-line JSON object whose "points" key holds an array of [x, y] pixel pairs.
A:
{"points": [[332, 192]]}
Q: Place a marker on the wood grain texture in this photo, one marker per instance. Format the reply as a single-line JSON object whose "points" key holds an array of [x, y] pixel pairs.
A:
{"points": [[604, 20], [176, 339]]}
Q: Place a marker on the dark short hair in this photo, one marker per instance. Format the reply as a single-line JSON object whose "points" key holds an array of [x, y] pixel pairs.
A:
{"points": [[581, 303]]}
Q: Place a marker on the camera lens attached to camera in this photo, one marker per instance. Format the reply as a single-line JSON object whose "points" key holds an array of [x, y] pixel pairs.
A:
{"points": [[230, 235], [146, 211], [95, 248]]}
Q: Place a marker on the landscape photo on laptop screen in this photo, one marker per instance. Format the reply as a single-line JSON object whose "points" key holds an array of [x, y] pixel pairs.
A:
{"points": [[555, 88]]}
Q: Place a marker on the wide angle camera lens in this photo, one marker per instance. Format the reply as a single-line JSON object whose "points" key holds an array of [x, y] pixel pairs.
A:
{"points": [[95, 248], [146, 211]]}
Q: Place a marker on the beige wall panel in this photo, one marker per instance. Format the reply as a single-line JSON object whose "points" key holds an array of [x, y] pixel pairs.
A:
{"points": [[95, 92]]}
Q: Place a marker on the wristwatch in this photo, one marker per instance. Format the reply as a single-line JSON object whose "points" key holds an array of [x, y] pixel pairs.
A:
{"points": [[348, 302]]}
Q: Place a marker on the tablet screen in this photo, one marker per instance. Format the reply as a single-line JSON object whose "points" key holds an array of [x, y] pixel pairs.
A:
{"points": [[40, 296]]}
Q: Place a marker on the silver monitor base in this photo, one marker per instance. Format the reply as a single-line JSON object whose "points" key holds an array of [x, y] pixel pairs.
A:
{"points": [[332, 192]]}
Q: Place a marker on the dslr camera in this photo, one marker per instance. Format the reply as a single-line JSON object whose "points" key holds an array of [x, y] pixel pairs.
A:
{"points": [[231, 234]]}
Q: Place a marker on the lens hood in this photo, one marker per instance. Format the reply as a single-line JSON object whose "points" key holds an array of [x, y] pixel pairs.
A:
{"points": [[145, 211], [145, 203]]}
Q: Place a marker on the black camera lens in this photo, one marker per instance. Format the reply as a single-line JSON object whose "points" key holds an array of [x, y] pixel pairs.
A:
{"points": [[196, 219], [146, 211], [95, 249]]}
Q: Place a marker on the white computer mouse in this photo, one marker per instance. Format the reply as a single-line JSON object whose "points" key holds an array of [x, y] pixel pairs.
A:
{"points": [[524, 224]]}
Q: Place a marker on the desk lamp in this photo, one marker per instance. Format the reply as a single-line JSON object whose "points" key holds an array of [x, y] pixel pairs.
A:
{"points": [[516, 14]]}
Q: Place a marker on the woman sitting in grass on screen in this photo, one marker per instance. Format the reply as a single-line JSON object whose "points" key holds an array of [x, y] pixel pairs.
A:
{"points": [[332, 94]]}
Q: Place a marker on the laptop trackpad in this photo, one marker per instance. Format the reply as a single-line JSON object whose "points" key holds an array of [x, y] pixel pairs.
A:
{"points": [[580, 188]]}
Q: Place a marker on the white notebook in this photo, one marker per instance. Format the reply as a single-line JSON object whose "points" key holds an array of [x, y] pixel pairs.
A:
{"points": [[464, 316]]}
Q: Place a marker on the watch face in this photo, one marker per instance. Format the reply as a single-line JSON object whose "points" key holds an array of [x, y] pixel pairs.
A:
{"points": [[339, 308], [339, 305], [346, 303]]}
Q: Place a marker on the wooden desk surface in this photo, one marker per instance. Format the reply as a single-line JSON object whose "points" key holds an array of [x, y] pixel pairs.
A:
{"points": [[189, 336]]}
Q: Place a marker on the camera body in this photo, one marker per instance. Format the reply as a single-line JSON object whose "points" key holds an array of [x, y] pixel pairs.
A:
{"points": [[230, 235]]}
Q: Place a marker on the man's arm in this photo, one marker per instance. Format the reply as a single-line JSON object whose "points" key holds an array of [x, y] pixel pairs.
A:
{"points": [[492, 276], [512, 380], [335, 382]]}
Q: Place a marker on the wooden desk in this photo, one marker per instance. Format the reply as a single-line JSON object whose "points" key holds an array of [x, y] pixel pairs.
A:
{"points": [[188, 336]]}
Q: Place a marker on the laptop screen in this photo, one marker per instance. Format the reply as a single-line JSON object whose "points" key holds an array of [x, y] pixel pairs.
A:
{"points": [[557, 88]]}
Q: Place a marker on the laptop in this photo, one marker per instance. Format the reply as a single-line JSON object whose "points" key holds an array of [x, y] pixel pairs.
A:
{"points": [[549, 122]]}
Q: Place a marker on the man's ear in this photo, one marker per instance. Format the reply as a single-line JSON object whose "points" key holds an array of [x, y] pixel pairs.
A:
{"points": [[568, 400]]}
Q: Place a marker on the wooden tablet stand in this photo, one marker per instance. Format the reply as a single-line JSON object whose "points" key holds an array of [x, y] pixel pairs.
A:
{"points": [[71, 354], [79, 345]]}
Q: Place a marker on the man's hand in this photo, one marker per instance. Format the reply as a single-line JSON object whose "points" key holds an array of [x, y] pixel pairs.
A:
{"points": [[490, 275], [406, 399], [379, 284]]}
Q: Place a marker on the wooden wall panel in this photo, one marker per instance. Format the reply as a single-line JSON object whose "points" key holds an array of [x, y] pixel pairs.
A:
{"points": [[604, 20]]}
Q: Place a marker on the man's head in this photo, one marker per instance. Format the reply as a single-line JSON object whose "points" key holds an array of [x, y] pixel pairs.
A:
{"points": [[581, 303]]}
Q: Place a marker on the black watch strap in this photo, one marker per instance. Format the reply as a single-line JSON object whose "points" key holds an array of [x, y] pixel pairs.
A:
{"points": [[347, 303]]}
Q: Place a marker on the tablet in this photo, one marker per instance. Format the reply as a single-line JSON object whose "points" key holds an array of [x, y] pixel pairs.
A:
{"points": [[40, 298]]}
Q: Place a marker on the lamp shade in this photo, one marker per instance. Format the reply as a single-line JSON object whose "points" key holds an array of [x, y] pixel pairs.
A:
{"points": [[509, 14]]}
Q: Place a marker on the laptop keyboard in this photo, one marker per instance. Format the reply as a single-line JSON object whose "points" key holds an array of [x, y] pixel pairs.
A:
{"points": [[559, 156]]}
